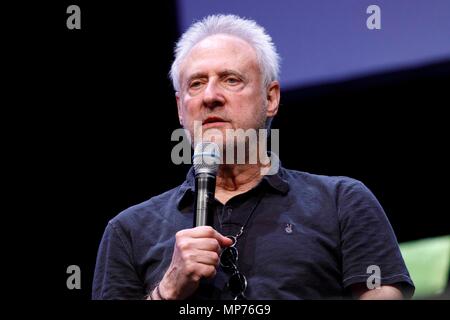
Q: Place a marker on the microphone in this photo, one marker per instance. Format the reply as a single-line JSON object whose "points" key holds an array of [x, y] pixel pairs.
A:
{"points": [[206, 163]]}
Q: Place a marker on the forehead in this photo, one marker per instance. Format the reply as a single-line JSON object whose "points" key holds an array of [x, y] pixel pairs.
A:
{"points": [[219, 52]]}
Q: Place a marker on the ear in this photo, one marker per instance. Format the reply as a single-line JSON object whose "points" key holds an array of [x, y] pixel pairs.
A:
{"points": [[273, 98], [180, 109]]}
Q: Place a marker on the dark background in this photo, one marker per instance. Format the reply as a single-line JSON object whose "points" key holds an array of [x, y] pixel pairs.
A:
{"points": [[97, 110]]}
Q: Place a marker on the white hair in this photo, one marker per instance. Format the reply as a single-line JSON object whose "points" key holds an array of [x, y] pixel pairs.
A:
{"points": [[245, 29]]}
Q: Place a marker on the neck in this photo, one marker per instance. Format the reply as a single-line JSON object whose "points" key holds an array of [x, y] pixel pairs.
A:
{"points": [[233, 179], [238, 177]]}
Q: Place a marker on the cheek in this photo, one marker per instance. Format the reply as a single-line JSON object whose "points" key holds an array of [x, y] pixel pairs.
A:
{"points": [[192, 104], [188, 108], [249, 107], [191, 113]]}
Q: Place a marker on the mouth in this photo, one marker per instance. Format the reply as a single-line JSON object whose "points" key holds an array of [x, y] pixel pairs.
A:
{"points": [[213, 120]]}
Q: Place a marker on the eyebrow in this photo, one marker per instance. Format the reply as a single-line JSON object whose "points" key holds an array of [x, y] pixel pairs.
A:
{"points": [[196, 76], [229, 71], [225, 72]]}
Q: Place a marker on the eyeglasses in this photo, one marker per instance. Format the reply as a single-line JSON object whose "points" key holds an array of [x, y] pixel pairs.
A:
{"points": [[237, 283]]}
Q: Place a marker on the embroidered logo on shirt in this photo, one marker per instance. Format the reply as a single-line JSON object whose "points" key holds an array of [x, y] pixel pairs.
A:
{"points": [[288, 228]]}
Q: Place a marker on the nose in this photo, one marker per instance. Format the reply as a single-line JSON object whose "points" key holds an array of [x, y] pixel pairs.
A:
{"points": [[213, 96]]}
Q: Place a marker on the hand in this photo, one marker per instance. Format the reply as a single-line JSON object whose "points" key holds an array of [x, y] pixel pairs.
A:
{"points": [[196, 255]]}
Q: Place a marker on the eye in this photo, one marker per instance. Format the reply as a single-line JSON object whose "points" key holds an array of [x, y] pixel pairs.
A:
{"points": [[232, 80], [195, 84]]}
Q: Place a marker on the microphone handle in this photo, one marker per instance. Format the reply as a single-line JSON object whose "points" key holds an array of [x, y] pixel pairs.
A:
{"points": [[205, 186]]}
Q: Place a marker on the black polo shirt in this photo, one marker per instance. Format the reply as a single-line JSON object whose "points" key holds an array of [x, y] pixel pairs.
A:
{"points": [[310, 237]]}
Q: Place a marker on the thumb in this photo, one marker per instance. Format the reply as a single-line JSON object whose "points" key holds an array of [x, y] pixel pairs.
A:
{"points": [[224, 241]]}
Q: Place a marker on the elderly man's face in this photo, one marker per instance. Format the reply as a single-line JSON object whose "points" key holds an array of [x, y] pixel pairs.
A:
{"points": [[221, 87]]}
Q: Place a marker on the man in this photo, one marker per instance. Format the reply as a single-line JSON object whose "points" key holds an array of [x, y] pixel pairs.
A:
{"points": [[288, 235]]}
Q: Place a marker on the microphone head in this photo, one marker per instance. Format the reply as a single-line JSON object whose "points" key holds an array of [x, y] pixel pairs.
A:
{"points": [[206, 158]]}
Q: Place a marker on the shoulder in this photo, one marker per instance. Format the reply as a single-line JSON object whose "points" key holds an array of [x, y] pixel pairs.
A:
{"points": [[151, 212], [337, 185], [342, 193]]}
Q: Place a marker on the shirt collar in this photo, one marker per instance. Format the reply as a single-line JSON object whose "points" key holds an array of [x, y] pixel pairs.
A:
{"points": [[276, 182]]}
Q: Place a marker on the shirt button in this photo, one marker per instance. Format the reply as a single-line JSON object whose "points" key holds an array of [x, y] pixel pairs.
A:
{"points": [[230, 210]]}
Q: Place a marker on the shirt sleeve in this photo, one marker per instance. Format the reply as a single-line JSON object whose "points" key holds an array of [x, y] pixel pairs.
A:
{"points": [[368, 242], [115, 277]]}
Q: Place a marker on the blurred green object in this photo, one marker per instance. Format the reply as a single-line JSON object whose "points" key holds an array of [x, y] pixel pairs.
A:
{"points": [[428, 262]]}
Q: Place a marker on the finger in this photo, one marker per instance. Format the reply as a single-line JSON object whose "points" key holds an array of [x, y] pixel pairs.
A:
{"points": [[198, 232], [207, 271], [210, 258], [206, 244], [205, 232]]}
